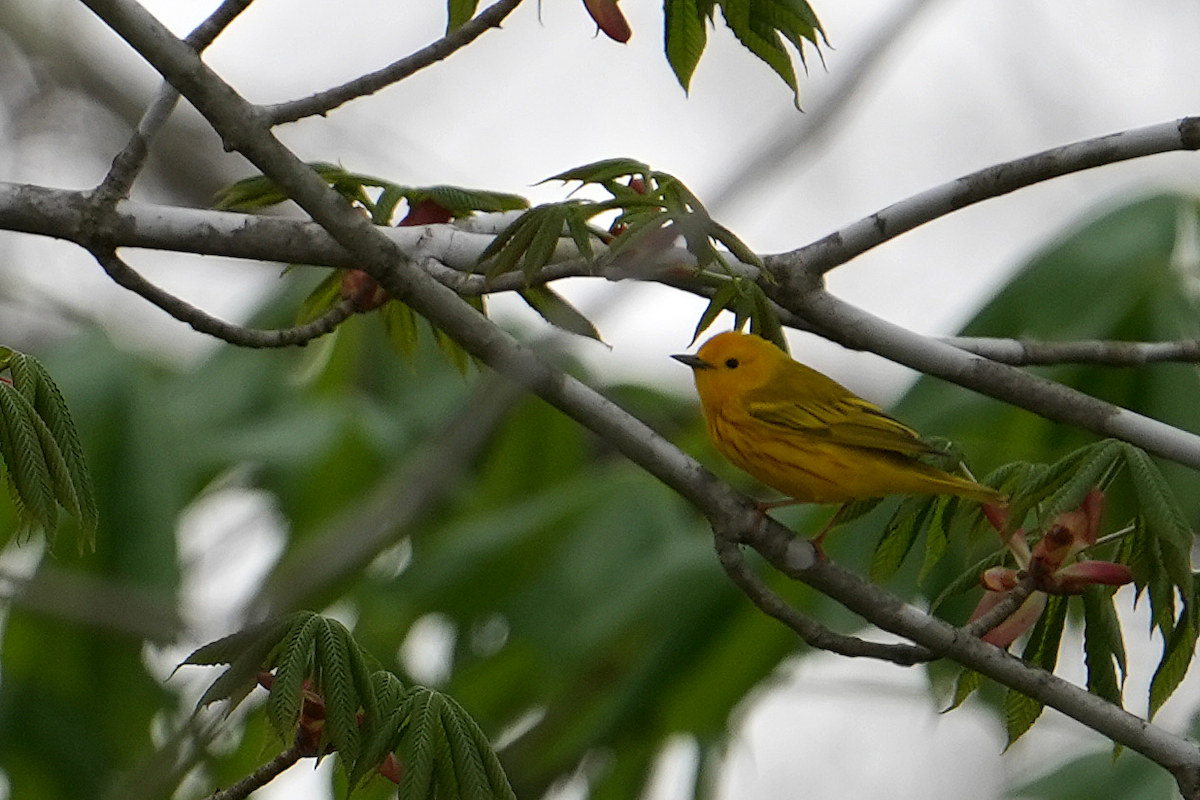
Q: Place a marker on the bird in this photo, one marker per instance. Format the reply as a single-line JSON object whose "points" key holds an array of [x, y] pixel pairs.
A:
{"points": [[807, 436]]}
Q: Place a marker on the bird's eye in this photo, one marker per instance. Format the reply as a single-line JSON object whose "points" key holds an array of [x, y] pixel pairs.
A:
{"points": [[731, 363]]}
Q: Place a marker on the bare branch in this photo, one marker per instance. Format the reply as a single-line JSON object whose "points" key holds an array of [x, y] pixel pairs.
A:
{"points": [[129, 162], [812, 632], [839, 247], [324, 102], [1008, 605], [1025, 353], [261, 776], [125, 276]]}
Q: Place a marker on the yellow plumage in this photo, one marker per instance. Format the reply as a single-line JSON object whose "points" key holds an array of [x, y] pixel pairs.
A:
{"points": [[806, 435]]}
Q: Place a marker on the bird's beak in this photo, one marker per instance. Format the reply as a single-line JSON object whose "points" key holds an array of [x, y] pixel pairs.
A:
{"points": [[695, 362]]}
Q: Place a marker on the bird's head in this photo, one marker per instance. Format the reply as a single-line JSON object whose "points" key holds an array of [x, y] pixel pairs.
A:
{"points": [[732, 363]]}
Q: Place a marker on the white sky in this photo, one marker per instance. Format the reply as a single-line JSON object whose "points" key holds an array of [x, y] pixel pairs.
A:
{"points": [[971, 84]]}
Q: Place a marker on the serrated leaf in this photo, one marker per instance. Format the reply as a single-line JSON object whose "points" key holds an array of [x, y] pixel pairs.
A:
{"points": [[544, 242], [293, 664], [1163, 517], [969, 578], [1021, 711], [686, 35], [400, 323], [418, 745], [608, 169], [720, 300], [937, 535], [229, 648], [898, 537], [52, 408], [335, 684], [469, 773], [1178, 650], [581, 233], [1083, 471], [764, 321], [760, 38], [505, 251], [967, 684], [497, 780], [1103, 645], [461, 201], [736, 246], [555, 309], [24, 460], [322, 298]]}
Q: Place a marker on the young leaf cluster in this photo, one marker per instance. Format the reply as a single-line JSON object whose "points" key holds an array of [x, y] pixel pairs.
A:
{"points": [[364, 713], [377, 196], [381, 200], [765, 27], [1156, 544], [44, 464], [653, 210]]}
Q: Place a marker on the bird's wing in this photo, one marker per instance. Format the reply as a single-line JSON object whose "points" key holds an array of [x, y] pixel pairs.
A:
{"points": [[846, 420]]}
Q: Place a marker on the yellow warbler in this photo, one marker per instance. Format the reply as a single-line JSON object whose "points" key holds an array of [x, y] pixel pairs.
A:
{"points": [[806, 435]]}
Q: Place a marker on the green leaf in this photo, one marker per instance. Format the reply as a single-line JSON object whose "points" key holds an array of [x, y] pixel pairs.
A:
{"points": [[937, 535], [462, 202], [229, 648], [1178, 650], [459, 12], [608, 169], [555, 309], [1021, 711], [400, 322], [335, 680], [1164, 518], [764, 321], [686, 36], [418, 749], [1104, 647], [21, 448], [898, 538], [967, 684], [293, 664], [324, 297], [721, 299]]}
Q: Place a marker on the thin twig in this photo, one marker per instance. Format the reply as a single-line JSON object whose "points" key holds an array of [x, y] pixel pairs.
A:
{"points": [[812, 632], [839, 247], [128, 278], [261, 776], [129, 162], [324, 102], [1013, 599]]}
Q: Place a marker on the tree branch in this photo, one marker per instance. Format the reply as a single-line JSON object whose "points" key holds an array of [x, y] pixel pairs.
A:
{"points": [[129, 162], [261, 776], [324, 102], [855, 239], [812, 632], [1026, 353], [126, 277]]}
